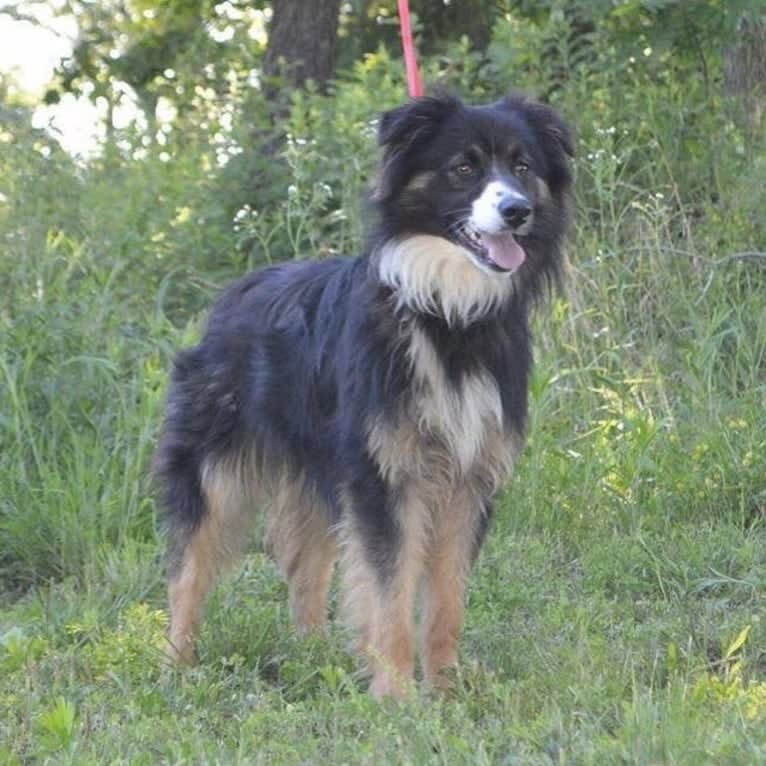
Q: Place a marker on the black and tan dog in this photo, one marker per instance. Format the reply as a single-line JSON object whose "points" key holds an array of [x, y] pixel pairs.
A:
{"points": [[376, 404]]}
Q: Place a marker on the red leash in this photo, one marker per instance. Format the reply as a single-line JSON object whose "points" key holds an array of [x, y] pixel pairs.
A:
{"points": [[414, 81]]}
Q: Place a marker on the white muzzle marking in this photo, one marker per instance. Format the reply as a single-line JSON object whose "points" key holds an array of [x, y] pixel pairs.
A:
{"points": [[484, 213]]}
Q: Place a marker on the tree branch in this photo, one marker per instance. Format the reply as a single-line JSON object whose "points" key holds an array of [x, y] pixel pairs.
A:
{"points": [[16, 15]]}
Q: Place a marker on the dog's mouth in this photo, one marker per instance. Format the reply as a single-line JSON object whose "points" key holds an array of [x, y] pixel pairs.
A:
{"points": [[500, 252]]}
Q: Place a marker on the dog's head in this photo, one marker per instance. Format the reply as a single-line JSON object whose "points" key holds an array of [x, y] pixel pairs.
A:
{"points": [[491, 180]]}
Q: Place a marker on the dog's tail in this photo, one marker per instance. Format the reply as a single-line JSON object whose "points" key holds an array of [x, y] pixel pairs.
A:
{"points": [[181, 451], [200, 430], [178, 471]]}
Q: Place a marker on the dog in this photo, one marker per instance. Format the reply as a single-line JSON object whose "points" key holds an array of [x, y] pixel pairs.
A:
{"points": [[376, 404]]}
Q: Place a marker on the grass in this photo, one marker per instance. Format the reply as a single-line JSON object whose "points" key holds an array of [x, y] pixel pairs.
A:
{"points": [[616, 615]]}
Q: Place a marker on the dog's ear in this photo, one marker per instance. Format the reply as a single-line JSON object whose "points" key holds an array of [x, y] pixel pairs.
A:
{"points": [[544, 119], [402, 127], [547, 120]]}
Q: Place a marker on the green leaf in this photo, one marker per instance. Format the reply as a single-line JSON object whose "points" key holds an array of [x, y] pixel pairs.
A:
{"points": [[738, 642]]}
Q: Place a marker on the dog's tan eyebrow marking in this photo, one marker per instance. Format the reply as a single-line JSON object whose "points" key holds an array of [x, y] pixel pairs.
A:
{"points": [[420, 181]]}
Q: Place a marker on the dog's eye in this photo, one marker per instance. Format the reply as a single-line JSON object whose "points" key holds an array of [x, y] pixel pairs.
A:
{"points": [[464, 169], [522, 168]]}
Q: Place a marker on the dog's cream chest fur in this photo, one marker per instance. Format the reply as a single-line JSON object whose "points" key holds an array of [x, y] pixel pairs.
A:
{"points": [[462, 416], [449, 434], [432, 275]]}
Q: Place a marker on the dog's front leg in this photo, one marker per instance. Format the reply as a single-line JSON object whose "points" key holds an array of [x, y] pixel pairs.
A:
{"points": [[457, 535], [383, 546]]}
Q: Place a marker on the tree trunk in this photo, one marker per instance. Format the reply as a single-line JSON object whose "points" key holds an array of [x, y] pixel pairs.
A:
{"points": [[745, 75], [302, 44]]}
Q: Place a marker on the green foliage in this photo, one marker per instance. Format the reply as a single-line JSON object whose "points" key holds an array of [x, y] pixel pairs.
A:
{"points": [[57, 725], [193, 55], [615, 614]]}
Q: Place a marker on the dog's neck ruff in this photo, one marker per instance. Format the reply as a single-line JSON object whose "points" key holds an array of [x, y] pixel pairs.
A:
{"points": [[431, 275]]}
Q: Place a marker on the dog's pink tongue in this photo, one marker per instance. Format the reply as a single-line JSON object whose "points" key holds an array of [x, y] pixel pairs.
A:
{"points": [[504, 250]]}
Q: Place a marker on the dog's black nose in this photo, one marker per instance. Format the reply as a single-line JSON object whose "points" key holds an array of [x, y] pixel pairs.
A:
{"points": [[515, 210]]}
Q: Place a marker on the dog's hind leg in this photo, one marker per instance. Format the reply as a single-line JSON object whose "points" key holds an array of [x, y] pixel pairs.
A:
{"points": [[304, 546], [190, 580], [199, 553]]}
